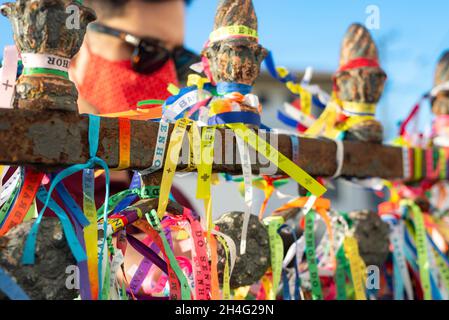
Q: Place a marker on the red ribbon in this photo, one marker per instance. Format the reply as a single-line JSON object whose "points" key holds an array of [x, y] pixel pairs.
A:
{"points": [[360, 63], [356, 64], [410, 117], [24, 201]]}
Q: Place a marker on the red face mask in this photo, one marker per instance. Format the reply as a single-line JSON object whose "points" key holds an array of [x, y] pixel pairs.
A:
{"points": [[113, 86]]}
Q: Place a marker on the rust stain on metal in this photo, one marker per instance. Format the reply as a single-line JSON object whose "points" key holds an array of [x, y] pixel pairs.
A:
{"points": [[56, 142], [55, 139]]}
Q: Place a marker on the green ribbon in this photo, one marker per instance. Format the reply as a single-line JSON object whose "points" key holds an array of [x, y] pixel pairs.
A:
{"points": [[317, 292], [151, 102], [7, 205], [276, 252], [147, 192], [107, 282], [45, 71], [340, 277], [421, 247], [124, 295]]}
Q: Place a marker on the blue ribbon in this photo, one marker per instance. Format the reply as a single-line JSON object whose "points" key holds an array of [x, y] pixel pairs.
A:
{"points": [[287, 120], [181, 93], [398, 282], [271, 67], [264, 127], [135, 184], [94, 134], [10, 288], [229, 87], [248, 118], [297, 277], [286, 286], [75, 246], [85, 292], [441, 254], [71, 205]]}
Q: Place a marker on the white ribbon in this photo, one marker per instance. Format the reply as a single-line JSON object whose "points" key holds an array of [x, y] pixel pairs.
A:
{"points": [[397, 239], [8, 76], [247, 177], [298, 115], [159, 151], [441, 87], [231, 246], [46, 61], [340, 158], [115, 265], [183, 103], [406, 163], [8, 188]]}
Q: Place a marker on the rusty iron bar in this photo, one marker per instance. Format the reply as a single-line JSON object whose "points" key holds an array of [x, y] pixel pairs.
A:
{"points": [[50, 140]]}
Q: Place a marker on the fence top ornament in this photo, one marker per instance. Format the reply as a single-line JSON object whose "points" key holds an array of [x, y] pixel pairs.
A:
{"points": [[234, 52], [47, 44], [359, 84]]}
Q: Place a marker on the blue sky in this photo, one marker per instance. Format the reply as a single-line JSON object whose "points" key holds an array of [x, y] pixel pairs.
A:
{"points": [[302, 33]]}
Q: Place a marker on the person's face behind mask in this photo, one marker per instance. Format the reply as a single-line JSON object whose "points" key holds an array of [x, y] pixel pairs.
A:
{"points": [[105, 70], [114, 86]]}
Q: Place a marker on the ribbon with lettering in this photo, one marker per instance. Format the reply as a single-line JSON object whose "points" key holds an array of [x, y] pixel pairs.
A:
{"points": [[8, 76], [280, 160], [24, 201], [153, 220], [276, 252], [93, 138], [202, 274], [317, 292], [171, 162]]}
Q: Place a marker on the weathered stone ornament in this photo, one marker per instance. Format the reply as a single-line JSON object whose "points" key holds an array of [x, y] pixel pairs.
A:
{"points": [[360, 80], [372, 235], [233, 53], [440, 102], [250, 267], [53, 277], [48, 34]]}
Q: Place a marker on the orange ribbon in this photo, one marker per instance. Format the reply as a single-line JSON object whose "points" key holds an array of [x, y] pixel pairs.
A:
{"points": [[24, 201], [124, 144], [321, 206], [139, 114]]}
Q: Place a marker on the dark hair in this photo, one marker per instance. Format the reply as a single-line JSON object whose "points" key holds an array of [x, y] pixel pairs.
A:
{"points": [[123, 2], [113, 7]]}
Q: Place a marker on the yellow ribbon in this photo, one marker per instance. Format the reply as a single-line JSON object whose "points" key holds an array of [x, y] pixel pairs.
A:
{"points": [[305, 96], [359, 107], [356, 264], [173, 90], [171, 162], [327, 126], [195, 146], [226, 274], [241, 293], [232, 31], [280, 160], [196, 80], [352, 122], [324, 125], [91, 232], [205, 173]]}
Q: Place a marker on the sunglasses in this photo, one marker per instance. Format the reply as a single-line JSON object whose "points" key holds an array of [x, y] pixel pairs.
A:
{"points": [[151, 54]]}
